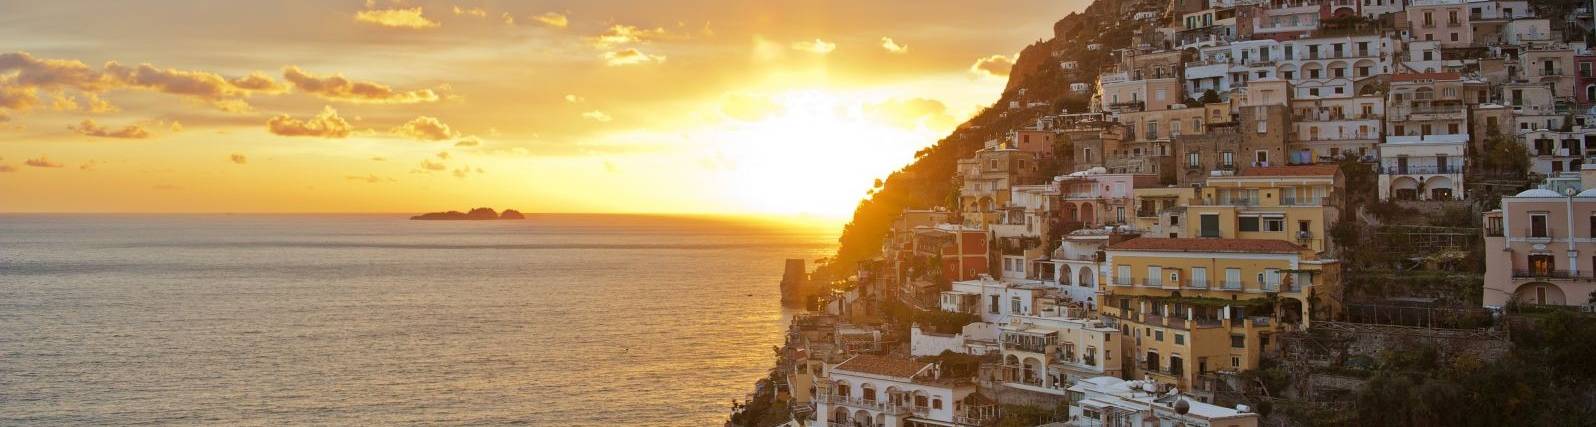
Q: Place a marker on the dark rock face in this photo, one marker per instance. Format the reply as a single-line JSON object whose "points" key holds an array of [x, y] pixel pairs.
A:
{"points": [[478, 214]]}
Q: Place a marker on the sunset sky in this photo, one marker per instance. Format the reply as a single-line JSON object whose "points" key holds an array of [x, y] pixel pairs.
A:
{"points": [[555, 106]]}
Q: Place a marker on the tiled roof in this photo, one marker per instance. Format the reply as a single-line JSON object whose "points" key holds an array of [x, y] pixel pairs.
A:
{"points": [[1206, 245], [883, 365], [1408, 77], [1303, 170]]}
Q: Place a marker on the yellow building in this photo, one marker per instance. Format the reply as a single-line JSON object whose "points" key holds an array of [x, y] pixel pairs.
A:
{"points": [[1194, 306], [1296, 204], [1161, 211]]}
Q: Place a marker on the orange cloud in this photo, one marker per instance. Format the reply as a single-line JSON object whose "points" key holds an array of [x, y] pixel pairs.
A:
{"points": [[893, 46], [30, 73], [994, 66], [42, 162], [89, 128], [469, 141], [624, 34], [425, 128], [338, 88], [327, 124], [597, 116], [816, 46], [396, 18], [475, 11], [630, 56], [238, 158], [552, 19], [429, 165]]}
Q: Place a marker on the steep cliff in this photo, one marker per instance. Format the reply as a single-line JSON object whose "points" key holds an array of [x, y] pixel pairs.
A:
{"points": [[1086, 38]]}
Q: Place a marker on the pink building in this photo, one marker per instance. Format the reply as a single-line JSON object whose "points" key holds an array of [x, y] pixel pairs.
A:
{"points": [[1035, 141], [1095, 199], [1443, 21], [1540, 248]]}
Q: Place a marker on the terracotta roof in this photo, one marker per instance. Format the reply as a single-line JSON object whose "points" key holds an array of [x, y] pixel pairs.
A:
{"points": [[1303, 170], [890, 366], [1408, 77], [1206, 245]]}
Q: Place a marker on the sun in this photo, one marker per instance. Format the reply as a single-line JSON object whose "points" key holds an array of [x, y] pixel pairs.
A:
{"points": [[818, 154]]}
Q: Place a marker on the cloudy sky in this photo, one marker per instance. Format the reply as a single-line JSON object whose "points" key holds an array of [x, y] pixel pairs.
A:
{"points": [[683, 106]]}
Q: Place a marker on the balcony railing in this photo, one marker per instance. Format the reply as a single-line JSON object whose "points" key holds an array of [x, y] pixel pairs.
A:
{"points": [[1123, 281], [1301, 201], [1025, 346], [857, 402], [1230, 285], [1422, 169], [1552, 274]]}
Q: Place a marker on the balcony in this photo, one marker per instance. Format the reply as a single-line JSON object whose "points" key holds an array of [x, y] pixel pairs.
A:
{"points": [[1552, 274], [1230, 285], [860, 403], [1123, 281], [1423, 169], [1025, 346], [1301, 201]]}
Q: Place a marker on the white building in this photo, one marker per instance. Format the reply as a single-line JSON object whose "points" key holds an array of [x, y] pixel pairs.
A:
{"points": [[994, 300], [873, 390], [1428, 167], [1109, 401], [1049, 353]]}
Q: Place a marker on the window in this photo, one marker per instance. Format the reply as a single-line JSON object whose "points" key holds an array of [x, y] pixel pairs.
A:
{"points": [[1538, 225], [936, 403], [1210, 225], [1238, 341], [1014, 306], [1180, 339], [1199, 275], [1194, 159], [992, 305], [1454, 36], [1274, 224], [1227, 159], [1158, 336], [1235, 362], [1247, 223]]}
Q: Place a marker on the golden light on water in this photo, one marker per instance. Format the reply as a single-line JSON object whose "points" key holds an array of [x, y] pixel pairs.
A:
{"points": [[719, 108]]}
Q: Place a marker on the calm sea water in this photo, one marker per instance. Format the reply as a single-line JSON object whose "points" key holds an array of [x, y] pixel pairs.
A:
{"points": [[256, 320]]}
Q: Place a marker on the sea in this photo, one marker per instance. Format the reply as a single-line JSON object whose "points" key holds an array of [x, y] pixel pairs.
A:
{"points": [[560, 320]]}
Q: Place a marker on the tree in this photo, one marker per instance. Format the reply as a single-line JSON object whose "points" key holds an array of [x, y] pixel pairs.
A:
{"points": [[1209, 97]]}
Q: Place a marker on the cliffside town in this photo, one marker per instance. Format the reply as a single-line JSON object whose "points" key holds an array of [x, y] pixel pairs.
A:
{"points": [[1231, 213]]}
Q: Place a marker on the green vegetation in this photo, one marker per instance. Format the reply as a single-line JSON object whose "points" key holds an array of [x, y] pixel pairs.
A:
{"points": [[902, 316]]}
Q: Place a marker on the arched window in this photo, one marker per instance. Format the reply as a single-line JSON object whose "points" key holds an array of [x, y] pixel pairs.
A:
{"points": [[936, 403], [1590, 93]]}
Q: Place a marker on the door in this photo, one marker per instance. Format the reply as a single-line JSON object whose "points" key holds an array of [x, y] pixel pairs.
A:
{"points": [[1542, 265]]}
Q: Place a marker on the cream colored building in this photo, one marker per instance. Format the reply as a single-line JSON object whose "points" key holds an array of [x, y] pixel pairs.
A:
{"points": [[1296, 204], [1192, 306]]}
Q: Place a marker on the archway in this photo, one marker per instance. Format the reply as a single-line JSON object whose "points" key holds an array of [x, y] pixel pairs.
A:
{"points": [[1404, 188], [1438, 188], [1087, 278], [1540, 293], [1064, 275], [1088, 214], [867, 391], [862, 418], [839, 415], [1033, 371]]}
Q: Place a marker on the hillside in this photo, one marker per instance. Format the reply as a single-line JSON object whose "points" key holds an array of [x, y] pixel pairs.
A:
{"points": [[1036, 76]]}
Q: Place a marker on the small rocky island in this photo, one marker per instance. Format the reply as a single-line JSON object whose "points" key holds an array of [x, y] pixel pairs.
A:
{"points": [[478, 214]]}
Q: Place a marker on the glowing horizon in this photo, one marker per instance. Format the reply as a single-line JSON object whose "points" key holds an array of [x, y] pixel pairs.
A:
{"points": [[705, 107]]}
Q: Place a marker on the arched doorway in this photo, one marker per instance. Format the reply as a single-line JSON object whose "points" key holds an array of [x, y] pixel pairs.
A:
{"points": [[1540, 293], [1064, 275], [1438, 188], [1087, 279], [1404, 188]]}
